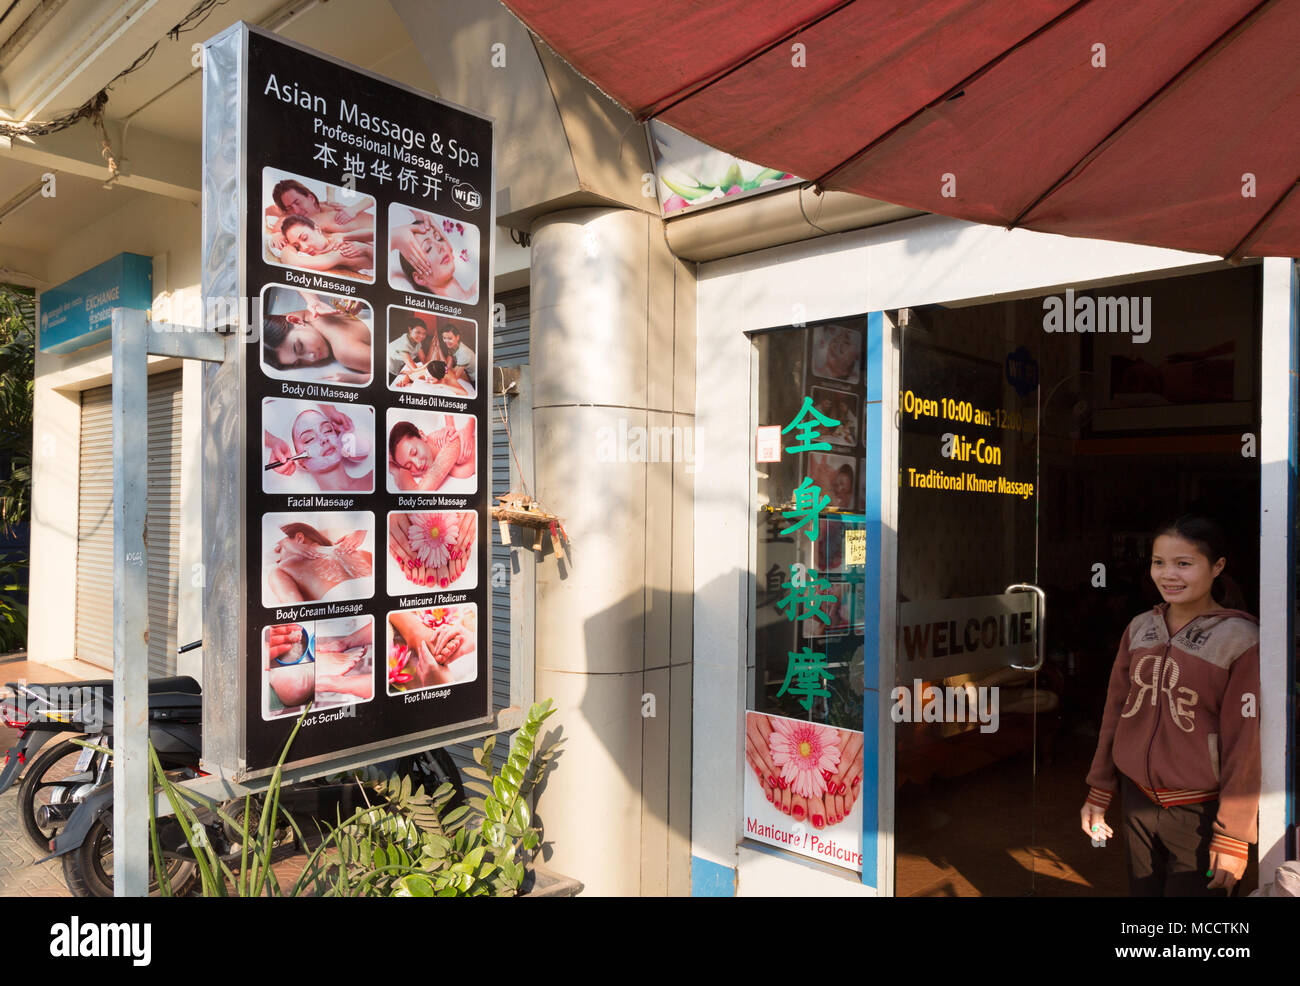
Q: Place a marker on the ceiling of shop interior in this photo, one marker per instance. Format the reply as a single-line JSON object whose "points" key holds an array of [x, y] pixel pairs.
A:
{"points": [[162, 98]]}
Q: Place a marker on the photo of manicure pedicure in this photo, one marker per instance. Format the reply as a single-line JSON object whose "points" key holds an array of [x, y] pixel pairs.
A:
{"points": [[804, 774], [432, 551]]}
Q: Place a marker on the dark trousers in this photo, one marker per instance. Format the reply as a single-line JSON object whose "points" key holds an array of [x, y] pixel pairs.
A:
{"points": [[1168, 848]]}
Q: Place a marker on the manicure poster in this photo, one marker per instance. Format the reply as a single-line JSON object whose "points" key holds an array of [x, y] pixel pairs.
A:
{"points": [[367, 234], [803, 788]]}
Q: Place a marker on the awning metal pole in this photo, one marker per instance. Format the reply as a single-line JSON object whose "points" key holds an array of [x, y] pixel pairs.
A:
{"points": [[131, 787]]}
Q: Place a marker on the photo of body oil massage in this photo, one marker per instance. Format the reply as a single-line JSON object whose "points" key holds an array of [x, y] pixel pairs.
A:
{"points": [[314, 226], [432, 648], [314, 337], [317, 557], [315, 447], [431, 254], [431, 452], [324, 662], [431, 354]]}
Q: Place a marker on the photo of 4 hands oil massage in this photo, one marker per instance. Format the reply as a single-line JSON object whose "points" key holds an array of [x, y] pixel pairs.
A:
{"points": [[313, 447], [808, 772], [312, 225], [325, 662], [431, 354], [432, 647], [315, 337]]}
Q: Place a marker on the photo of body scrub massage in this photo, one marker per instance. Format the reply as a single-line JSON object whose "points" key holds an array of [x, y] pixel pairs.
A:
{"points": [[314, 226], [315, 337], [325, 662], [432, 648], [431, 354], [431, 452], [315, 557], [431, 254], [315, 447]]}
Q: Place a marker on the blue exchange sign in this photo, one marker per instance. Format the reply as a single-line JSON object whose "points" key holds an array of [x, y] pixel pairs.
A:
{"points": [[79, 312]]}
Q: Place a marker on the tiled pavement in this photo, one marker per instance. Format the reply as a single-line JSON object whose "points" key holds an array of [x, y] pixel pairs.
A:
{"points": [[19, 874]]}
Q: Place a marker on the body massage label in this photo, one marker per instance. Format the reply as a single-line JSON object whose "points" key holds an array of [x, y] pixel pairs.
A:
{"points": [[367, 237]]}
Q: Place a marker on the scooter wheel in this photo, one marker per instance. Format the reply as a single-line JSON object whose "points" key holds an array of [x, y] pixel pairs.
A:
{"points": [[88, 869], [51, 779]]}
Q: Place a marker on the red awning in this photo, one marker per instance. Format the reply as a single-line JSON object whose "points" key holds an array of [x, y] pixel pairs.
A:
{"points": [[1166, 122]]}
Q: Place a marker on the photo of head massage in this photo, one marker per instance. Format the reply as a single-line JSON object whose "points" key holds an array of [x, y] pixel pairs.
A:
{"points": [[432, 551], [431, 254], [314, 337], [325, 662], [316, 557], [432, 648], [431, 354], [431, 452], [312, 225], [315, 447]]}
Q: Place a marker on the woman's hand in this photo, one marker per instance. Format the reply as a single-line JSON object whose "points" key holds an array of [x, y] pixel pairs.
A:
{"points": [[1227, 870], [404, 242], [1093, 822]]}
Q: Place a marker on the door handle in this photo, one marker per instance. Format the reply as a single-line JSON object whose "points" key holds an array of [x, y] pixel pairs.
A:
{"points": [[1040, 637]]}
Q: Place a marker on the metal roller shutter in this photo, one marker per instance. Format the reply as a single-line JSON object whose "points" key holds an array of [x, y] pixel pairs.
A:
{"points": [[510, 348], [94, 629]]}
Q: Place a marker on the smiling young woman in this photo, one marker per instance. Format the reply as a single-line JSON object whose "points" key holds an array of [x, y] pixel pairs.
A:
{"points": [[1180, 732]]}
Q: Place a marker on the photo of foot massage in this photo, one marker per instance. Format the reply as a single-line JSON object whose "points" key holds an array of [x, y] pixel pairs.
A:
{"points": [[316, 337], [314, 226], [432, 648], [431, 354]]}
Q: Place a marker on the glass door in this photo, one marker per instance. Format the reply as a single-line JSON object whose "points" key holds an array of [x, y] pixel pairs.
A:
{"points": [[970, 614]]}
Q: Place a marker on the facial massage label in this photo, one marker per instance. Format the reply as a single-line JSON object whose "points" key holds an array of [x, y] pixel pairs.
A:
{"points": [[368, 212]]}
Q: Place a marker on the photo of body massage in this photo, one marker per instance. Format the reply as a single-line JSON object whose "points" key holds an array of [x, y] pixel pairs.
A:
{"points": [[312, 225], [432, 648], [325, 662], [431, 254], [431, 354], [431, 452], [314, 337], [313, 447], [432, 550], [312, 557]]}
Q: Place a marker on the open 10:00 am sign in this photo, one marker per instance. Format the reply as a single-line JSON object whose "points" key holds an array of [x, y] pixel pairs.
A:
{"points": [[366, 214]]}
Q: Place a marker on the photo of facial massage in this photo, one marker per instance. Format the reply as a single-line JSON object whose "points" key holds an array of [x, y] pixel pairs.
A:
{"points": [[431, 254], [314, 226], [314, 337], [431, 354], [803, 771], [315, 447], [432, 648], [315, 557], [325, 662], [432, 551], [431, 452]]}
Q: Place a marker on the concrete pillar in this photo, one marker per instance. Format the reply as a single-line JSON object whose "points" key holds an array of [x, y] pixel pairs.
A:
{"points": [[613, 384]]}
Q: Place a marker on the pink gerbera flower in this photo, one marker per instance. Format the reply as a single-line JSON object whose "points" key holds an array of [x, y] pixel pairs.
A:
{"points": [[432, 538], [803, 750]]}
